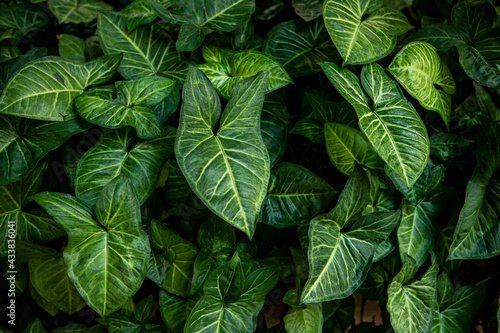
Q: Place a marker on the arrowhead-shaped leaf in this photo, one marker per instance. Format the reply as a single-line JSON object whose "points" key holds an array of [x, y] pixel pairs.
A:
{"points": [[120, 152], [339, 261], [227, 169], [360, 40], [108, 252], [225, 68], [419, 69], [393, 127], [45, 88]]}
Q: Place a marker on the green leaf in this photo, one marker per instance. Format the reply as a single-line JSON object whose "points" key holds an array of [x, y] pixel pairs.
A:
{"points": [[441, 36], [325, 110], [225, 68], [294, 196], [138, 13], [416, 230], [229, 169], [393, 127], [43, 303], [144, 309], [23, 143], [179, 256], [71, 47], [216, 235], [146, 50], [360, 40], [35, 327], [212, 314], [45, 88], [477, 232], [176, 190], [77, 11], [120, 323], [107, 252], [20, 19], [130, 103], [446, 145], [478, 67], [347, 146], [308, 9], [339, 260], [300, 46], [458, 309], [175, 311], [304, 319], [50, 279], [412, 303], [275, 125], [121, 153], [197, 17], [310, 129], [30, 223], [418, 68]]}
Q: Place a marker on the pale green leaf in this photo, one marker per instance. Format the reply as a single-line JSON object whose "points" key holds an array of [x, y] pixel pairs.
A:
{"points": [[225, 68], [361, 40], [304, 319], [420, 70], [229, 169], [347, 146], [138, 13], [71, 47]]}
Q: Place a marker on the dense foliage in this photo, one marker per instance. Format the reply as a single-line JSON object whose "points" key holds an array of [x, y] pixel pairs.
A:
{"points": [[250, 165]]}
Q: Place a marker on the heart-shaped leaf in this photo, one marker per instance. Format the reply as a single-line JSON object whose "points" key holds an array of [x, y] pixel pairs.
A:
{"points": [[228, 169], [107, 253], [45, 88], [420, 70], [294, 196], [121, 153], [225, 68], [360, 40], [134, 105]]}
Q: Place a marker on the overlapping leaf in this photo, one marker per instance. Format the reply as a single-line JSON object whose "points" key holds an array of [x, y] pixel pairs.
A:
{"points": [[300, 46], [30, 224], [135, 105], [392, 126], [419, 69], [478, 230], [295, 195], [77, 11], [20, 20], [146, 50], [308, 9], [23, 142], [412, 303], [197, 17], [45, 88], [227, 169], [347, 146], [361, 40], [225, 68], [108, 251], [121, 153]]}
